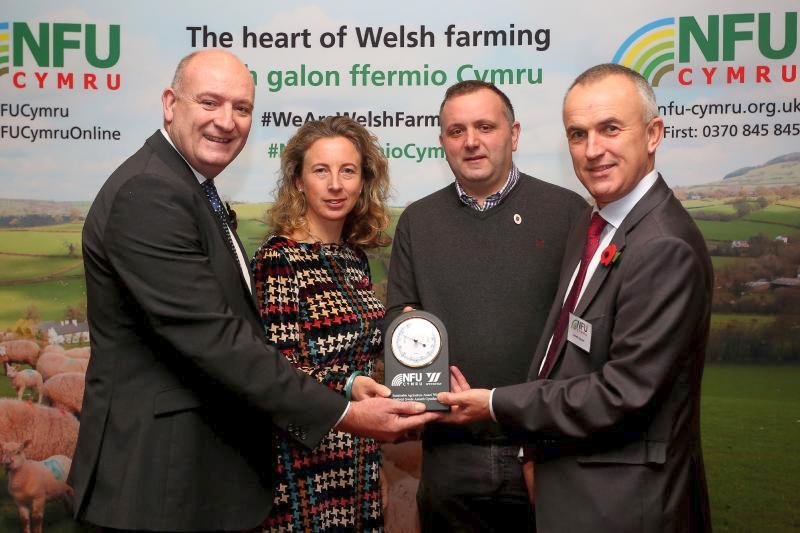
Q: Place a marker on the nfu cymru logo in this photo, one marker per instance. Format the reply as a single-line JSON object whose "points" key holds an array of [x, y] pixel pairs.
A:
{"points": [[26, 50], [690, 47], [417, 379]]}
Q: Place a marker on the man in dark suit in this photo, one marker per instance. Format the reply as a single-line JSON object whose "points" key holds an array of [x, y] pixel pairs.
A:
{"points": [[612, 412], [182, 391]]}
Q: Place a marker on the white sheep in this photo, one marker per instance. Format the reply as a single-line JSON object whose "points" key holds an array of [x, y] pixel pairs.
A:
{"points": [[22, 379], [33, 483], [79, 353], [20, 351], [52, 363], [56, 348], [51, 431], [65, 391]]}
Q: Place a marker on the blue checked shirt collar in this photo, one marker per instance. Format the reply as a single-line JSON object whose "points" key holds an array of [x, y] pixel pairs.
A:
{"points": [[493, 199]]}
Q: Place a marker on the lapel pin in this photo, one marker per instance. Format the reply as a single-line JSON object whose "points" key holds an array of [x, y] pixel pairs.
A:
{"points": [[517, 219]]}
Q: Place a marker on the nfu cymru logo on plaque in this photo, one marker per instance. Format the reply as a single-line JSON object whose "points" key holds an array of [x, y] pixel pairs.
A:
{"points": [[416, 359]]}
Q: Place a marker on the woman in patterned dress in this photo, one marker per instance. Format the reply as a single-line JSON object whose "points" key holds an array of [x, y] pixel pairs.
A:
{"points": [[316, 300]]}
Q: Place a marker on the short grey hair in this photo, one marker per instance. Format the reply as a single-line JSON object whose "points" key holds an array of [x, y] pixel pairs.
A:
{"points": [[600, 72], [177, 79]]}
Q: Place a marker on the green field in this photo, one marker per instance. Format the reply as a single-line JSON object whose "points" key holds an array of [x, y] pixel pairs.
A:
{"points": [[251, 233], [254, 211], [394, 216], [377, 270], [722, 261], [719, 320], [15, 267], [750, 429], [777, 214], [717, 209], [51, 298], [40, 241], [714, 230], [695, 204]]}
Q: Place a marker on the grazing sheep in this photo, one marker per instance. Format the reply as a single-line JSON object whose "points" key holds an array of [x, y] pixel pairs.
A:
{"points": [[54, 348], [78, 353], [22, 379], [65, 391], [51, 431], [20, 351], [33, 483], [51, 364]]}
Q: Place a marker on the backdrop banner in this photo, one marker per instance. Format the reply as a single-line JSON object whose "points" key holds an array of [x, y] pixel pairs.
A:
{"points": [[80, 88]]}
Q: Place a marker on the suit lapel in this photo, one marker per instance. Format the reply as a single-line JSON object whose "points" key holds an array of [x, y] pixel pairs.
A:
{"points": [[598, 277], [657, 194], [173, 159]]}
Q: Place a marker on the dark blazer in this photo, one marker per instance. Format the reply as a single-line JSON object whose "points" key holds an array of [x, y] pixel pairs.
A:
{"points": [[616, 431], [182, 391]]}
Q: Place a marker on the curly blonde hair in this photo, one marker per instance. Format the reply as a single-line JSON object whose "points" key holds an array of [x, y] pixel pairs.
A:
{"points": [[366, 223]]}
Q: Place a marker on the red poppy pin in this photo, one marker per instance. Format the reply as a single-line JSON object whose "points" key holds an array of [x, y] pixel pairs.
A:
{"points": [[610, 255]]}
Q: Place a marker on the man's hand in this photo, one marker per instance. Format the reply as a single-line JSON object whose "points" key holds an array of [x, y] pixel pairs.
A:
{"points": [[365, 387], [384, 419], [458, 383], [466, 404]]}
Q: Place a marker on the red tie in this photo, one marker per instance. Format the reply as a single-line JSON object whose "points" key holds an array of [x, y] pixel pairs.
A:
{"points": [[589, 248]]}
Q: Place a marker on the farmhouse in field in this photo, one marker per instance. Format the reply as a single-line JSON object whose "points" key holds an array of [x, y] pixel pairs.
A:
{"points": [[65, 332]]}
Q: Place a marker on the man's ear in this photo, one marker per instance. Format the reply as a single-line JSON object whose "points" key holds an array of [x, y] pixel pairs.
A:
{"points": [[168, 100], [515, 129], [655, 134]]}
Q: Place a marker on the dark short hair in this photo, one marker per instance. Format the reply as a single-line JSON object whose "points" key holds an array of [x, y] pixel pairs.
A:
{"points": [[472, 86]]}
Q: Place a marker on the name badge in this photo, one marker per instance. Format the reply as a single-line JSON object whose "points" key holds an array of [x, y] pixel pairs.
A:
{"points": [[579, 333]]}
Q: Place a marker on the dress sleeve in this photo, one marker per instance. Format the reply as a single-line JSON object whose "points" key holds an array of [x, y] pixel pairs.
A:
{"points": [[278, 301], [277, 291]]}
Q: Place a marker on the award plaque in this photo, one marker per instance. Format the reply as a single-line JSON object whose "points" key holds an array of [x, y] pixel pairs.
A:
{"points": [[417, 365]]}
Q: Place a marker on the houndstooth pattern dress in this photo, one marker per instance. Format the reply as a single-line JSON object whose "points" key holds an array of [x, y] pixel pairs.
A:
{"points": [[319, 310]]}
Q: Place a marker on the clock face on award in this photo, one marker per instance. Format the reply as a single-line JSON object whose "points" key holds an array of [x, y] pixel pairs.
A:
{"points": [[416, 342]]}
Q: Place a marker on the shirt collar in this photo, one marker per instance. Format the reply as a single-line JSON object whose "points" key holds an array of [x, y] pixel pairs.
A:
{"points": [[615, 212], [200, 177], [494, 198]]}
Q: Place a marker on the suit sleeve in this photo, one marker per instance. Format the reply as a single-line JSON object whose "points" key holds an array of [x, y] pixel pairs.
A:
{"points": [[661, 311], [402, 285], [156, 247]]}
